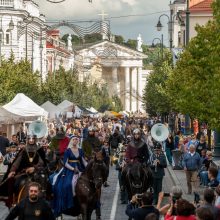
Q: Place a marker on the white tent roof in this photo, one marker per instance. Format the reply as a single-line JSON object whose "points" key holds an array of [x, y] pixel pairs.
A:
{"points": [[8, 117], [66, 105], [92, 110], [52, 109], [23, 106]]}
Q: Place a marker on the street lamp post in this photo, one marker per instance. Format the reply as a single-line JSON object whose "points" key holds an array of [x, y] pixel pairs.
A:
{"points": [[27, 21], [160, 26], [187, 22], [161, 44]]}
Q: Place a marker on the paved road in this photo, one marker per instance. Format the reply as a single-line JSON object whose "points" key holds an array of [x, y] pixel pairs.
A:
{"points": [[111, 206]]}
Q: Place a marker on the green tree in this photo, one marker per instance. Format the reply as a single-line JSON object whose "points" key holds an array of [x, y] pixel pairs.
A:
{"points": [[194, 86], [75, 39], [18, 78], [131, 43], [119, 39], [156, 99]]}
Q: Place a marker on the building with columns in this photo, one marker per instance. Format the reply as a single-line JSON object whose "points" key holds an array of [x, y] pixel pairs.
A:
{"points": [[22, 32], [120, 68]]}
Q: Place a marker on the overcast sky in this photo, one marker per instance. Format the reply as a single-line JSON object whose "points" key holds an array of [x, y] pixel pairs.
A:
{"points": [[129, 27]]}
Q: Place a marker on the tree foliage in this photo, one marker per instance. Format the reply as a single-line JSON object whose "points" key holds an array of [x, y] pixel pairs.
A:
{"points": [[155, 96], [18, 78], [194, 85]]}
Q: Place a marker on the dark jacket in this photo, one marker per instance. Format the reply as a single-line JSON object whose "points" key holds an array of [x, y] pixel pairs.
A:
{"points": [[27, 210], [158, 171], [115, 139], [4, 143], [140, 213], [90, 145]]}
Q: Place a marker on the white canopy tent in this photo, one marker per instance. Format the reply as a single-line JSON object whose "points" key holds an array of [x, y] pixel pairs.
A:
{"points": [[52, 109], [93, 110], [23, 106], [7, 117], [78, 112], [66, 106]]}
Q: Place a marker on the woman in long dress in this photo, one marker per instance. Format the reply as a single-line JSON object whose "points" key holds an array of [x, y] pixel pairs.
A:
{"points": [[65, 181]]}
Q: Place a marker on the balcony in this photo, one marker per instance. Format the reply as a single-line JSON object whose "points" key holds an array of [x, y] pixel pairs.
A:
{"points": [[6, 3]]}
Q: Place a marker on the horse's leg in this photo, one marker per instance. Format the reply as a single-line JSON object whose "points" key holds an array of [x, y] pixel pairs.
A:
{"points": [[84, 211], [89, 213], [98, 205]]}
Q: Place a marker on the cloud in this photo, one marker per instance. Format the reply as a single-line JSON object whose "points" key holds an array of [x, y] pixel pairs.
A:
{"points": [[129, 27]]}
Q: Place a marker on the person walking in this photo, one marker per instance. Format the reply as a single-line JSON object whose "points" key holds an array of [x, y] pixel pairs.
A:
{"points": [[191, 164], [33, 207]]}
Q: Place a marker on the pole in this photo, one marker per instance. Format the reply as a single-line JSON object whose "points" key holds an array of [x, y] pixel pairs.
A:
{"points": [[162, 46], [187, 117], [187, 22], [32, 57], [171, 29], [0, 49], [26, 43]]}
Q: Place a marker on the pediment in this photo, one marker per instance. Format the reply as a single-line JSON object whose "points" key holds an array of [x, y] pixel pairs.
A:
{"points": [[107, 49]]}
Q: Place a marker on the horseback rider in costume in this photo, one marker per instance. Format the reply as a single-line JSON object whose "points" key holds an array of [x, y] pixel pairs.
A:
{"points": [[91, 145], [136, 152], [29, 160], [92, 148], [59, 143]]}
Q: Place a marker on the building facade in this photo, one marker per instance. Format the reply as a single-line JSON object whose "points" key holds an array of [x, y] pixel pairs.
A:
{"points": [[58, 54], [200, 13], [117, 66], [22, 32], [177, 7]]}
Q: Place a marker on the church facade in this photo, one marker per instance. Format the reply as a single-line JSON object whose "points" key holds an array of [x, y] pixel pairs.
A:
{"points": [[117, 66]]}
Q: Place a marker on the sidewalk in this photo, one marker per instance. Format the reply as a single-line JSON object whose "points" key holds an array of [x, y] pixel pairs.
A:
{"points": [[179, 179]]}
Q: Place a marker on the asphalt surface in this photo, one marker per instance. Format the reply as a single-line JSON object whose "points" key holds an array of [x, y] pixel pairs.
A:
{"points": [[112, 209]]}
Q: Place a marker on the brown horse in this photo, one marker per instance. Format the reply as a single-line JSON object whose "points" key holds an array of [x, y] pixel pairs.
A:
{"points": [[88, 190]]}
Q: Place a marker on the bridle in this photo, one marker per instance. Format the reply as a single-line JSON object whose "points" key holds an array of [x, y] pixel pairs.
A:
{"points": [[129, 180]]}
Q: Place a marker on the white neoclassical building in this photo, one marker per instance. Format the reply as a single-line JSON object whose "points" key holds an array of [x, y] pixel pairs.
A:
{"points": [[22, 31], [119, 67]]}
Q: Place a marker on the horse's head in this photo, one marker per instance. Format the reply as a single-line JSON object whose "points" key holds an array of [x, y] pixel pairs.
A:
{"points": [[41, 177], [98, 173], [139, 178]]}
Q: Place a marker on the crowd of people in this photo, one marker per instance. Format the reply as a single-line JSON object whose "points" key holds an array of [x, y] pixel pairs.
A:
{"points": [[121, 142]]}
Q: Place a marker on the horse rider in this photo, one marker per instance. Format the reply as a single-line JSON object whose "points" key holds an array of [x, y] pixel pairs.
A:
{"points": [[91, 145], [136, 152], [29, 160], [137, 149], [59, 142]]}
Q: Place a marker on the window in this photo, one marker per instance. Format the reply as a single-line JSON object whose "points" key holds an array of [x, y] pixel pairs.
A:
{"points": [[7, 3], [1, 37], [7, 37]]}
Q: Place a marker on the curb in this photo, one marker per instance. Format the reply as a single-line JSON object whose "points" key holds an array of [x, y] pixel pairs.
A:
{"points": [[173, 176]]}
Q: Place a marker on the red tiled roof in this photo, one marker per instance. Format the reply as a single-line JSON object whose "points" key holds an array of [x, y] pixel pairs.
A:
{"points": [[51, 46], [204, 6]]}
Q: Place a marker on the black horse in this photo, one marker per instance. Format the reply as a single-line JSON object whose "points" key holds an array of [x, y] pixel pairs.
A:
{"points": [[88, 191], [137, 178]]}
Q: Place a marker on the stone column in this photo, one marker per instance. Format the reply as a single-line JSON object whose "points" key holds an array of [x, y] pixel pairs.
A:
{"points": [[127, 89], [115, 82], [134, 89], [139, 88]]}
